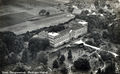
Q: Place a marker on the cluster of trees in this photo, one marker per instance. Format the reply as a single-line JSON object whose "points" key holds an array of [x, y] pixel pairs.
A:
{"points": [[59, 61], [107, 57], [99, 3], [19, 67], [42, 57], [94, 22], [114, 31], [82, 64], [64, 70], [10, 46], [59, 64], [110, 69], [43, 12], [35, 52], [36, 44], [3, 53], [95, 39], [12, 41], [56, 28], [25, 56], [61, 58], [97, 21], [27, 36]]}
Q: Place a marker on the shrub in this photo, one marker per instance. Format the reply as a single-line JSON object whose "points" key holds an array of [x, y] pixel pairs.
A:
{"points": [[64, 70], [62, 59], [55, 64], [70, 54]]}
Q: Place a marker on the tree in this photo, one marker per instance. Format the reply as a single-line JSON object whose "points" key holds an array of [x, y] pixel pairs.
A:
{"points": [[82, 64], [84, 12], [62, 59], [42, 58], [10, 46], [91, 72], [56, 28], [105, 34], [59, 53], [70, 54], [42, 12], [99, 71], [47, 13], [90, 42], [70, 9], [19, 68], [36, 44], [110, 69], [3, 53], [27, 36], [114, 31], [12, 58], [64, 70], [18, 45], [107, 57], [8, 38], [55, 64], [25, 56], [101, 11], [96, 4]]}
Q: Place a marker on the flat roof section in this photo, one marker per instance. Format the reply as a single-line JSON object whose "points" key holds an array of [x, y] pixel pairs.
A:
{"points": [[83, 22], [53, 34]]}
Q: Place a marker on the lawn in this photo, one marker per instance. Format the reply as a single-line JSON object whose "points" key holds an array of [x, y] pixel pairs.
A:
{"points": [[13, 19]]}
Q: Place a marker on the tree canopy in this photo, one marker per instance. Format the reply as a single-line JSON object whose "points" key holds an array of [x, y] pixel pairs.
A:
{"points": [[82, 64], [114, 31], [55, 64], [36, 44], [12, 41]]}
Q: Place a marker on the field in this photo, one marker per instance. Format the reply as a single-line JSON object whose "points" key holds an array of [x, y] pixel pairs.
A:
{"points": [[17, 19], [13, 19]]}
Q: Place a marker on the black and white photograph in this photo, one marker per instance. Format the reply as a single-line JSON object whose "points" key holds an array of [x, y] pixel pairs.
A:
{"points": [[59, 36]]}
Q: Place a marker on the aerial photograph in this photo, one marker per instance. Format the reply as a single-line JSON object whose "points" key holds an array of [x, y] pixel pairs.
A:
{"points": [[59, 36]]}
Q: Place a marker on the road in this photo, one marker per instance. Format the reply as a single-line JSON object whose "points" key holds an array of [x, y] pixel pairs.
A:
{"points": [[79, 42], [54, 50], [99, 49], [33, 25]]}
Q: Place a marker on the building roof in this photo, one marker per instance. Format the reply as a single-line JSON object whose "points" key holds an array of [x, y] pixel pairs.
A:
{"points": [[59, 34], [74, 26], [82, 22], [53, 34]]}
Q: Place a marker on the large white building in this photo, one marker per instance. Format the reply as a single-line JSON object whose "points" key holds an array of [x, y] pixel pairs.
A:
{"points": [[59, 38]]}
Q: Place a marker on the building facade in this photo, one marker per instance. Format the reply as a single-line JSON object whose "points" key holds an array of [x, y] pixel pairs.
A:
{"points": [[57, 39], [43, 34]]}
